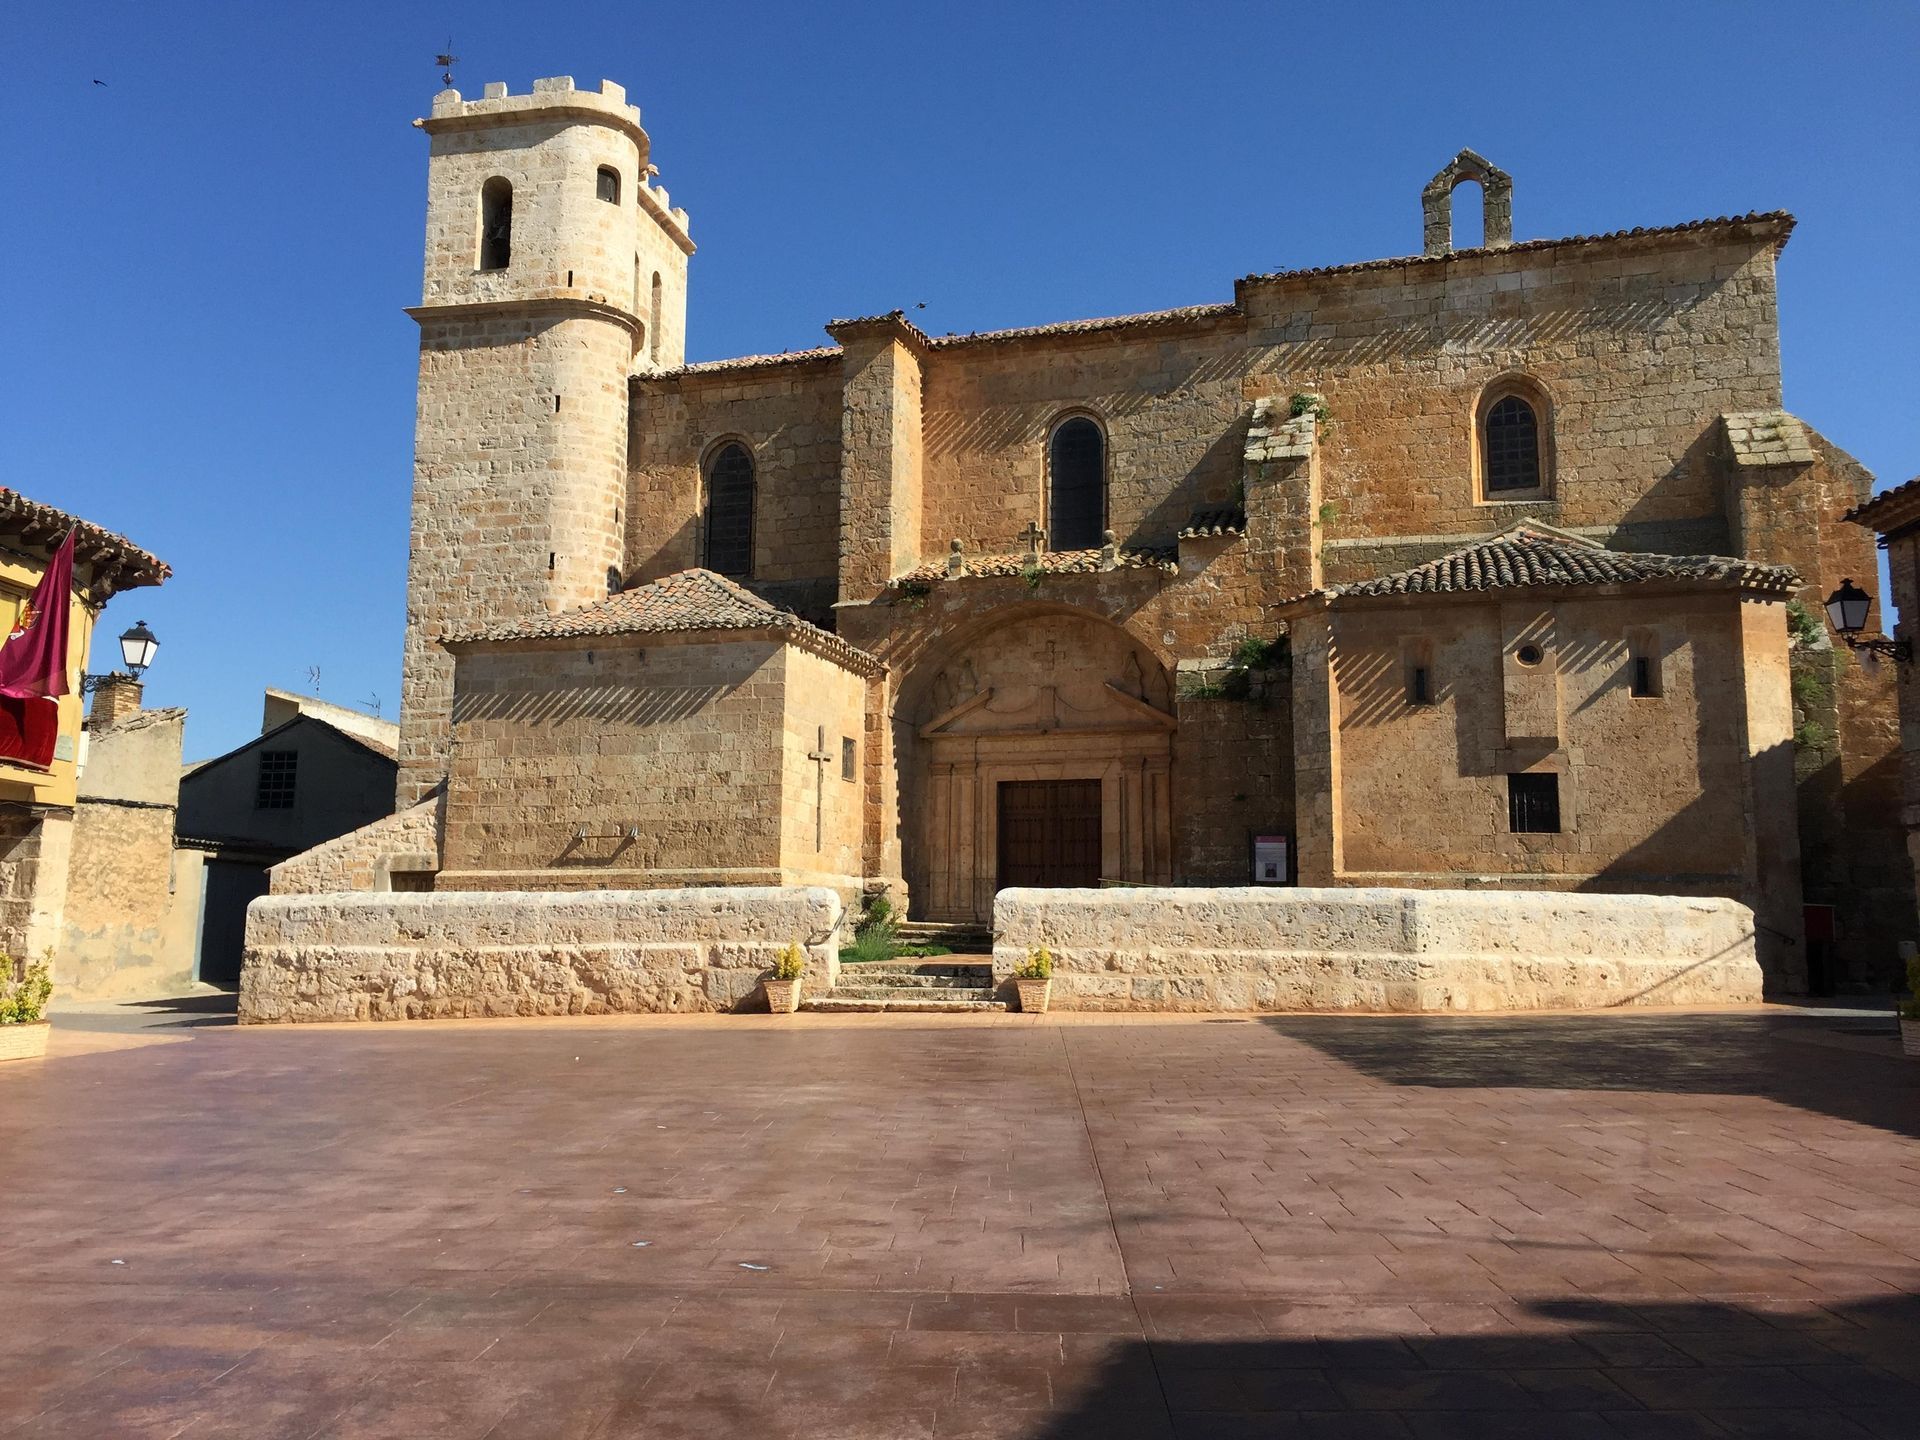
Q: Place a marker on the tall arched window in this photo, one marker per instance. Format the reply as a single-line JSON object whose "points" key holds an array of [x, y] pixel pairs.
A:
{"points": [[606, 184], [496, 223], [730, 510], [1076, 485], [1513, 439]]}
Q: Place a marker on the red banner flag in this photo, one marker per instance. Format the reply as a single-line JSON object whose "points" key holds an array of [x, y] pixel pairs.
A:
{"points": [[33, 658]]}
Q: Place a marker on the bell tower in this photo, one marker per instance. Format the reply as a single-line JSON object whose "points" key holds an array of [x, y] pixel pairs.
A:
{"points": [[555, 269]]}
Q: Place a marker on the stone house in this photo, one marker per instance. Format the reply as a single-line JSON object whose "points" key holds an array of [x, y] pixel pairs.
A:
{"points": [[47, 825], [1057, 559]]}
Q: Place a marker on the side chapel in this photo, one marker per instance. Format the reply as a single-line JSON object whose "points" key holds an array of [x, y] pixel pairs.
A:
{"points": [[1467, 568]]}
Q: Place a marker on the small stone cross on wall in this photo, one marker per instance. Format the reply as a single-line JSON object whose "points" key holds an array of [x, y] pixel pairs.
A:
{"points": [[1033, 535], [820, 757]]}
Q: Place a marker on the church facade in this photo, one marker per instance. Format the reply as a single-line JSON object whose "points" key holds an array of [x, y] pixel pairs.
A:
{"points": [[1473, 568]]}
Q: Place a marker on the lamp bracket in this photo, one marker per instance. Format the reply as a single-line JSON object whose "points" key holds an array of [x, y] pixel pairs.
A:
{"points": [[1899, 651]]}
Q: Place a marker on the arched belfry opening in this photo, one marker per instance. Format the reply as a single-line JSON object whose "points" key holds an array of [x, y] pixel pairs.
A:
{"points": [[1496, 191], [1033, 749]]}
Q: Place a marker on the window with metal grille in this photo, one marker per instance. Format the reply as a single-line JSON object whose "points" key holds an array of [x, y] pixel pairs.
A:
{"points": [[606, 184], [496, 224], [1077, 485], [730, 511], [279, 772], [849, 758], [1533, 804], [1510, 446]]}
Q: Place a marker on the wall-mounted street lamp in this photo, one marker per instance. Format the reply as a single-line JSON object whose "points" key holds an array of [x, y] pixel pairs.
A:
{"points": [[137, 648], [1847, 611]]}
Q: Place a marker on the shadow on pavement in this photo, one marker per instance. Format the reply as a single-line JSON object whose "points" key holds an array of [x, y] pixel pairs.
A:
{"points": [[1575, 1368], [1778, 1057]]}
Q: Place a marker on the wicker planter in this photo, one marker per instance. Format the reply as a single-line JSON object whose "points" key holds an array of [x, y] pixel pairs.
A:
{"points": [[783, 996], [1034, 994], [1910, 1037], [24, 1042]]}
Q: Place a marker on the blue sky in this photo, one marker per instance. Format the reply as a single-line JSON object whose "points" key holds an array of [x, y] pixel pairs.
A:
{"points": [[208, 254]]}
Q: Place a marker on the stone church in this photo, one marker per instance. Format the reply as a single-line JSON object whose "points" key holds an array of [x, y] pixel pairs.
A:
{"points": [[1470, 568]]}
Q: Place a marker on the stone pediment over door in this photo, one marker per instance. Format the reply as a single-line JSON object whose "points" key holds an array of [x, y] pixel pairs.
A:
{"points": [[1083, 707]]}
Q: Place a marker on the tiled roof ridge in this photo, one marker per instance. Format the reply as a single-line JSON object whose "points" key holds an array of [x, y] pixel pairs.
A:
{"points": [[688, 602], [1533, 553], [43, 522], [1637, 232], [1050, 562]]}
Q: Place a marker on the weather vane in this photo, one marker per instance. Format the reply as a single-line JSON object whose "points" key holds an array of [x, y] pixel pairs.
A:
{"points": [[446, 60]]}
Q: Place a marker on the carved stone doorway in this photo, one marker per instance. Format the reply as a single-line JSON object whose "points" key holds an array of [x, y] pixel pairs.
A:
{"points": [[1042, 700], [1049, 833]]}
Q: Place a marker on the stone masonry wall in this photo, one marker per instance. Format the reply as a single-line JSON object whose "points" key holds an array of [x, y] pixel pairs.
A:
{"points": [[680, 740], [472, 955], [363, 859], [1378, 949]]}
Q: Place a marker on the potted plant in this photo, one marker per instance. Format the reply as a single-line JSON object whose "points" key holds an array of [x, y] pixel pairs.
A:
{"points": [[1033, 979], [24, 991], [783, 988], [1910, 1011]]}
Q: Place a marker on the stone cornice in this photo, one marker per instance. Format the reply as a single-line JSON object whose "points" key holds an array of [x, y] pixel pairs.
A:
{"points": [[573, 305]]}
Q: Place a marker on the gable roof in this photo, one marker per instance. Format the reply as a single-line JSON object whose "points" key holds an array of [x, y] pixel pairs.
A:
{"points": [[195, 768], [1892, 509], [688, 602], [1535, 554]]}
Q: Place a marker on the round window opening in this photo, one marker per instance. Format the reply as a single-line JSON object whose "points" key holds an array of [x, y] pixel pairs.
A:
{"points": [[1528, 655]]}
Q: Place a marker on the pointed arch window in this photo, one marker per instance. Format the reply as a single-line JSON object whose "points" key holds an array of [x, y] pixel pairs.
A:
{"points": [[730, 486], [1513, 441], [496, 223], [1076, 484]]}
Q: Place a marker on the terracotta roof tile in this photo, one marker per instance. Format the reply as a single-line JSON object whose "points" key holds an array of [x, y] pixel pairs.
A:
{"points": [[1532, 554], [1896, 496], [691, 602], [1221, 520], [117, 563]]}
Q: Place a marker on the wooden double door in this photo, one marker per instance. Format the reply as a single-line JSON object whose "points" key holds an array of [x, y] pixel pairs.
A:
{"points": [[1049, 833]]}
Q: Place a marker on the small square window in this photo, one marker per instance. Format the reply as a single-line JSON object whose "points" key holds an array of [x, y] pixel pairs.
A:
{"points": [[1533, 804], [849, 758], [279, 774]]}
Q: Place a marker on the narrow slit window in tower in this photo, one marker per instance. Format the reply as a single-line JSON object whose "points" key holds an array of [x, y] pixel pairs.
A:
{"points": [[496, 224], [654, 332]]}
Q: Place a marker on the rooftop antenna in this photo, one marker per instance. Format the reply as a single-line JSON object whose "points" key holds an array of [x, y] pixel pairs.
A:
{"points": [[446, 60], [313, 678], [373, 704]]}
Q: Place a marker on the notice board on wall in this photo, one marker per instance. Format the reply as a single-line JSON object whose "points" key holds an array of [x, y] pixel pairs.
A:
{"points": [[1270, 860]]}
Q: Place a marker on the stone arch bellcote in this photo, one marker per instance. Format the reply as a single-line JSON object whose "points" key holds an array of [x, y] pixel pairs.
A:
{"points": [[1436, 202]]}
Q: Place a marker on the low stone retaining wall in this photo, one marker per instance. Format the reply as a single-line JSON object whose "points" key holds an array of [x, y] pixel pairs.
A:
{"points": [[1378, 950], [463, 954]]}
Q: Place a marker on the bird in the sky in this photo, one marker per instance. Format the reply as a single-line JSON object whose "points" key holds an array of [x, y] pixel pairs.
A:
{"points": [[100, 82]]}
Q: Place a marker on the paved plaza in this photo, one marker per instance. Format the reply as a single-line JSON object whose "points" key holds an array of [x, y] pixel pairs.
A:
{"points": [[1608, 1226]]}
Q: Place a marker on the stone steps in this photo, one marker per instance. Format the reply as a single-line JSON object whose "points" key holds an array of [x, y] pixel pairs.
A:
{"points": [[835, 1004], [931, 975], [964, 939], [944, 994]]}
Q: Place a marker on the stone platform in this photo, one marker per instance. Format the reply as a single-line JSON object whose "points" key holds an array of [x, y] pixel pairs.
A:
{"points": [[1377, 949], [467, 954]]}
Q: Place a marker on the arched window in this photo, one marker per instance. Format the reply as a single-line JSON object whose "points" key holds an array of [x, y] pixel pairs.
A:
{"points": [[1513, 440], [606, 184], [1076, 485], [496, 224], [730, 510]]}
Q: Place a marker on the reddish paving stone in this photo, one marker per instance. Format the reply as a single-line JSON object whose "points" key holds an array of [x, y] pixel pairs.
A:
{"points": [[1614, 1226]]}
